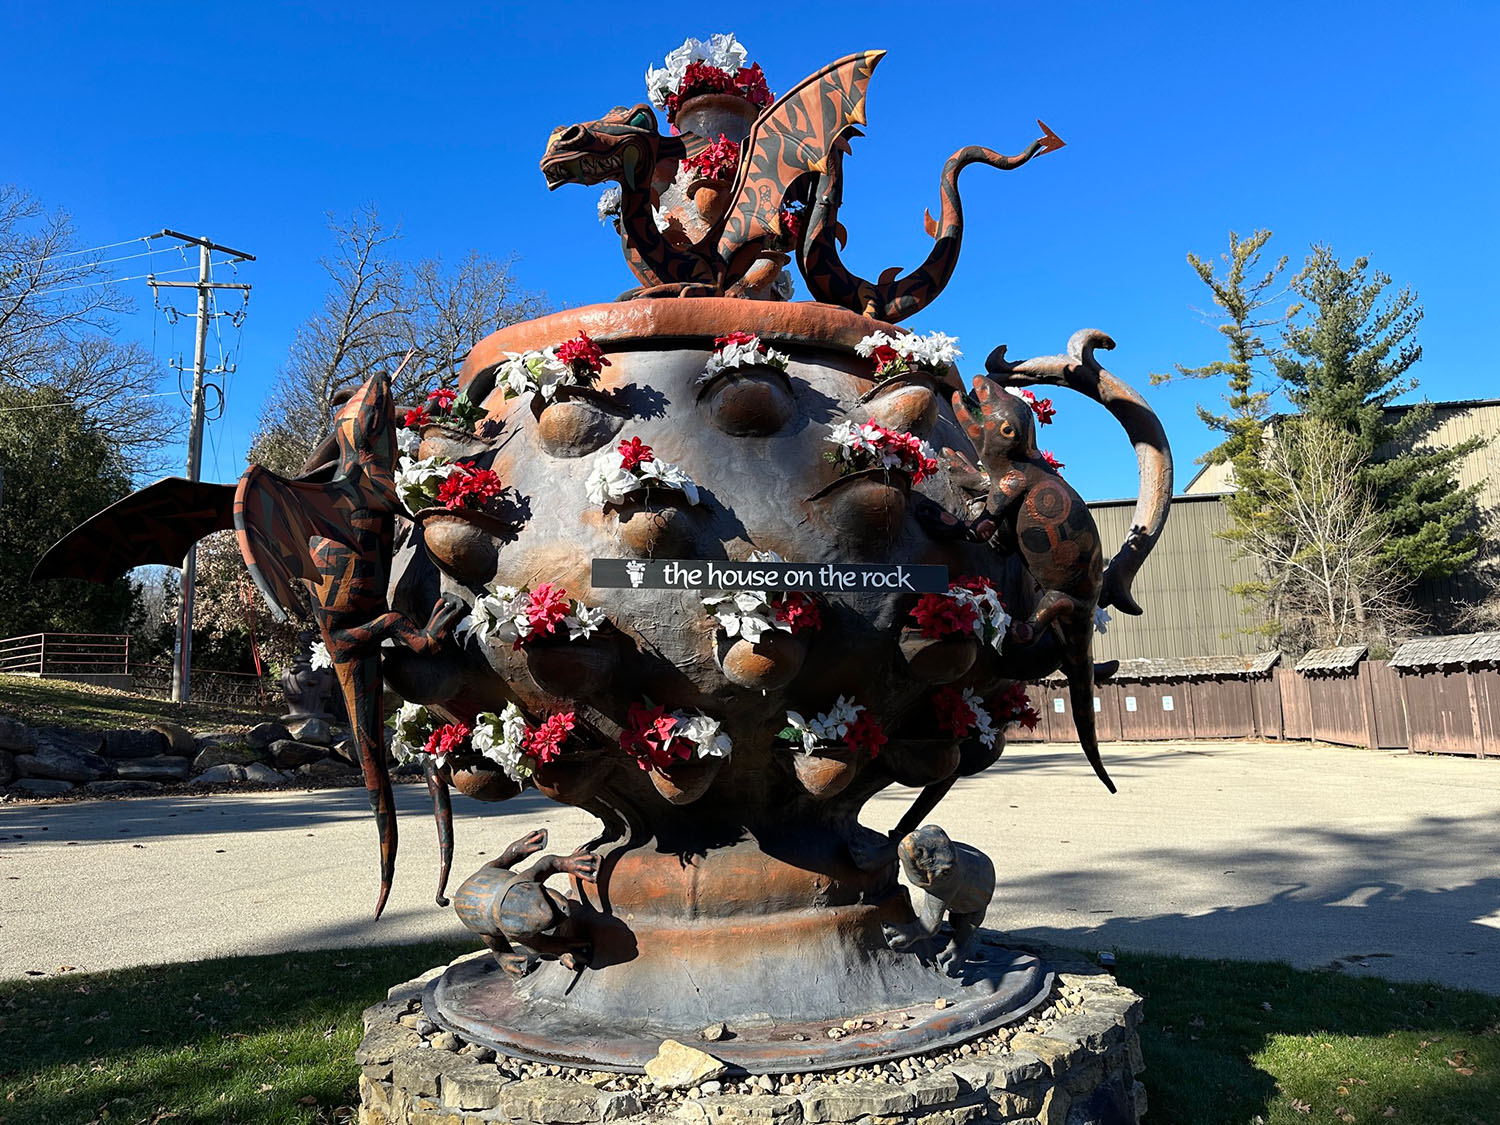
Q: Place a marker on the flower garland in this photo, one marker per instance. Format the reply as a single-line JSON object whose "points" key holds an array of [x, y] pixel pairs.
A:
{"points": [[719, 161], [959, 712], [447, 407], [696, 67], [1013, 706], [907, 352], [867, 445], [517, 748], [742, 349], [846, 721], [632, 466], [657, 740], [971, 603], [520, 614], [574, 363]]}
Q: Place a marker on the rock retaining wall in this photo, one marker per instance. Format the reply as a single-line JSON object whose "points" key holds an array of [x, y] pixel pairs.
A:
{"points": [[1074, 1061]]}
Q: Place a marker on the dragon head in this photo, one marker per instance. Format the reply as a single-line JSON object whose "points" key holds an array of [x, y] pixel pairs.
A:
{"points": [[365, 430], [621, 146]]}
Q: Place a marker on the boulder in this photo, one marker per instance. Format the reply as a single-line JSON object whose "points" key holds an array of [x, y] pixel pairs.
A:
{"points": [[134, 744], [258, 773], [43, 786], [55, 763], [180, 740], [163, 767], [344, 748], [231, 753], [7, 768], [16, 736], [678, 1066], [266, 733], [65, 738], [288, 755], [222, 773], [315, 731], [325, 769], [116, 788]]}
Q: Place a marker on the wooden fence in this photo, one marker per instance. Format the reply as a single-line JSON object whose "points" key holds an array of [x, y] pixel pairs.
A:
{"points": [[1372, 705]]}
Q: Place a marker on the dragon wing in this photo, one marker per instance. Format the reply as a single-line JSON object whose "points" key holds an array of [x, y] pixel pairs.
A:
{"points": [[276, 519], [157, 525], [793, 137]]}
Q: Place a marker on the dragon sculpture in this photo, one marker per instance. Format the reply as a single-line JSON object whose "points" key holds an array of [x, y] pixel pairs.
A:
{"points": [[794, 153], [328, 531]]}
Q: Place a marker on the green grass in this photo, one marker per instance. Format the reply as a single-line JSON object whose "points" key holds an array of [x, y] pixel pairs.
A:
{"points": [[85, 707], [271, 1039], [1234, 1041], [245, 1039]]}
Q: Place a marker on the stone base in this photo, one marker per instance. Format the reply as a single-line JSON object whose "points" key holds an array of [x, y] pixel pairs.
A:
{"points": [[1073, 1061]]}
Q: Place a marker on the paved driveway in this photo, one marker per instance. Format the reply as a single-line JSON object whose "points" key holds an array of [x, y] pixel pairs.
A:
{"points": [[1387, 863]]}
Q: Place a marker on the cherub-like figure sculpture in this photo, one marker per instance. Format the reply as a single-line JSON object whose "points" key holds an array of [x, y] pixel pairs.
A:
{"points": [[519, 918], [954, 879]]}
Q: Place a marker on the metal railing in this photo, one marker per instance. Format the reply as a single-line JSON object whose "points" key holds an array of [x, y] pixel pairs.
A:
{"points": [[209, 685], [46, 654]]}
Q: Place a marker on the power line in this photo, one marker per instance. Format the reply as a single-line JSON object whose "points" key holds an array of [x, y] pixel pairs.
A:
{"points": [[103, 262], [90, 250], [73, 403], [114, 280]]}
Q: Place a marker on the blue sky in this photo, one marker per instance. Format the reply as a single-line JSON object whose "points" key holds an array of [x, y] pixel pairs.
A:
{"points": [[1367, 126]]}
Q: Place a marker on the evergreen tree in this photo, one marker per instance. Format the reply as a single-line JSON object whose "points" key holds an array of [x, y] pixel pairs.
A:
{"points": [[1343, 363], [59, 470]]}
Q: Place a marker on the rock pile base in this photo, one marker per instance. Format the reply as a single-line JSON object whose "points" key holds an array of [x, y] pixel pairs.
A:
{"points": [[1074, 1061]]}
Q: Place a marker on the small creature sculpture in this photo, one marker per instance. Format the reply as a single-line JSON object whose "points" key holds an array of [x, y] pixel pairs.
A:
{"points": [[956, 880], [520, 919], [1031, 510]]}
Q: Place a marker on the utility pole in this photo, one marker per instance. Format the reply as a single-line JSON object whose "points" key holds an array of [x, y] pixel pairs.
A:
{"points": [[182, 649]]}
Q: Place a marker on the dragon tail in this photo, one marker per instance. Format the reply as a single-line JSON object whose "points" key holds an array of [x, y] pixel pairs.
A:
{"points": [[442, 813], [361, 684]]}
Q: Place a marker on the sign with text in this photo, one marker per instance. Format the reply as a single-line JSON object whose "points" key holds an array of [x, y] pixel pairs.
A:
{"points": [[721, 574]]}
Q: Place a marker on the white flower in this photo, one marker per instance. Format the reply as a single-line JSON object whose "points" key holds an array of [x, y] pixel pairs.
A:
{"points": [[500, 738], [608, 481], [1101, 619], [408, 441], [583, 622], [744, 613], [705, 733], [933, 350], [765, 556], [321, 658], [748, 354], [990, 618], [412, 726], [500, 613], [827, 728], [669, 475], [541, 372], [984, 726], [803, 728], [417, 481], [609, 203], [722, 51], [866, 347]]}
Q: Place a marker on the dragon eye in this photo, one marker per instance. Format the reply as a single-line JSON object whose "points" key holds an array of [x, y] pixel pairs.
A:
{"points": [[641, 120], [1008, 430]]}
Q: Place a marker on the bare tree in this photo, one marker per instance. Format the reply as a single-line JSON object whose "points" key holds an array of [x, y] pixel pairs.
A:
{"points": [[59, 312], [378, 308], [1319, 535]]}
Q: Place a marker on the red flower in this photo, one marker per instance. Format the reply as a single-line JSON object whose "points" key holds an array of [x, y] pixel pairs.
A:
{"points": [[865, 734], [634, 453], [975, 583], [703, 78], [716, 162], [954, 715], [884, 355], [468, 487], [1042, 408], [547, 608], [544, 743], [1052, 462], [735, 338], [941, 616], [648, 738], [791, 223], [1013, 706], [750, 84], [797, 610], [416, 419], [442, 398], [446, 739], [582, 355]]}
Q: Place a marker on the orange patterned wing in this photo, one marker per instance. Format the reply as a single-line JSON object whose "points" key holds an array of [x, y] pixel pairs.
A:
{"points": [[791, 138], [155, 525], [276, 519]]}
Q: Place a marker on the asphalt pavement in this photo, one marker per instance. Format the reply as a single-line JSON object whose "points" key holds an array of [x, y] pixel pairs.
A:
{"points": [[1369, 862]]}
